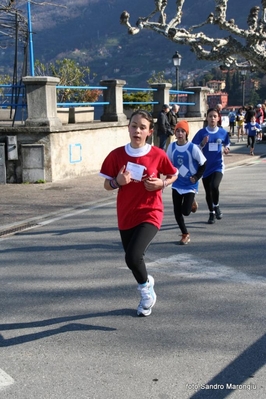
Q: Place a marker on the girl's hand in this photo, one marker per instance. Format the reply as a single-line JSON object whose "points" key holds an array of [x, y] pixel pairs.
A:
{"points": [[153, 184], [226, 150], [204, 141], [123, 177]]}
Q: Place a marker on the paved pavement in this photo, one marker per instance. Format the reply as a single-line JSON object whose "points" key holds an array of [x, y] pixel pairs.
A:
{"points": [[24, 204]]}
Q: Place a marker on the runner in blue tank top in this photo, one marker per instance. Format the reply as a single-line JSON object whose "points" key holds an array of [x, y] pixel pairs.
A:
{"points": [[190, 162], [214, 141]]}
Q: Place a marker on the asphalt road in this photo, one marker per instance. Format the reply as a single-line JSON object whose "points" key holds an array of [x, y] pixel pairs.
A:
{"points": [[68, 304]]}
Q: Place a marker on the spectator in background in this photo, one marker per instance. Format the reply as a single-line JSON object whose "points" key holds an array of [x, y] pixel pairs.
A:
{"points": [[240, 122], [163, 127], [263, 106], [219, 110], [264, 110], [250, 112], [259, 113], [173, 116], [232, 122]]}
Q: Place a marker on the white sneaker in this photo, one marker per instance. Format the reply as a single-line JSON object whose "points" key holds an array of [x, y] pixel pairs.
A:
{"points": [[148, 298]]}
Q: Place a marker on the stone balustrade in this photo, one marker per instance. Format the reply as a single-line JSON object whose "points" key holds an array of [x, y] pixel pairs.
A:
{"points": [[48, 151]]}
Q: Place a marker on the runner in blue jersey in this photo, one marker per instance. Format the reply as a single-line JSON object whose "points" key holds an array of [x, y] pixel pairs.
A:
{"points": [[190, 162], [214, 141], [252, 128]]}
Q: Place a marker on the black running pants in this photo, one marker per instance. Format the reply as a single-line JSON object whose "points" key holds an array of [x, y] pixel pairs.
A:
{"points": [[182, 206], [135, 242], [211, 185]]}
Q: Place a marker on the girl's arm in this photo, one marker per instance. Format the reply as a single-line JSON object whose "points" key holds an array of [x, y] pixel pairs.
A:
{"points": [[155, 183], [199, 173], [123, 178]]}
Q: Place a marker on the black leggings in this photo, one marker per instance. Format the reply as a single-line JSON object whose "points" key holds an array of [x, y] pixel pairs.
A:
{"points": [[182, 206], [135, 242], [211, 185], [251, 141]]}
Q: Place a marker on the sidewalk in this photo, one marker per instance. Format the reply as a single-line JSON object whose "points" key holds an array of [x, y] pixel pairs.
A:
{"points": [[25, 204]]}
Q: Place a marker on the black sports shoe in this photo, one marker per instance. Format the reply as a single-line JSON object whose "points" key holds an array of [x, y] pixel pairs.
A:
{"points": [[211, 218], [218, 212]]}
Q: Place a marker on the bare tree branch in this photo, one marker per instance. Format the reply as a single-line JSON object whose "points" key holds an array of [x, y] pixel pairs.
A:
{"points": [[241, 44]]}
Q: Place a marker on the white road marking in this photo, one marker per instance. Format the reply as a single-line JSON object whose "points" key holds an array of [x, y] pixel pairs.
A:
{"points": [[73, 213], [189, 266], [5, 379], [63, 213], [60, 215]]}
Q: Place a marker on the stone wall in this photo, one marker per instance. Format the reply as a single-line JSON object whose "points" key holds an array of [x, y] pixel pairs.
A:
{"points": [[76, 150]]}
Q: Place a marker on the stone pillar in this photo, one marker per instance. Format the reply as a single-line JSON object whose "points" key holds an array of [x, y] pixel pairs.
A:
{"points": [[200, 99], [161, 96], [113, 112], [41, 102]]}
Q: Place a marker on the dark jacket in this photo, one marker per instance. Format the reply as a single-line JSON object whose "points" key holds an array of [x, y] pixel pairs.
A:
{"points": [[249, 114], [172, 118], [163, 125]]}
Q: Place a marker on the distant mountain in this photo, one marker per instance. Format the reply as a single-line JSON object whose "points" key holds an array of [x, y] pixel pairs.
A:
{"points": [[90, 32]]}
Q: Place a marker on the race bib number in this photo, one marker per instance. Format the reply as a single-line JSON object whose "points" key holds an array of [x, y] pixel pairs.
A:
{"points": [[213, 147], [183, 171], [135, 170]]}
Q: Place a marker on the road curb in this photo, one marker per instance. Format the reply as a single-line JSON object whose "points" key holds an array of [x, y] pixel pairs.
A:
{"points": [[30, 223]]}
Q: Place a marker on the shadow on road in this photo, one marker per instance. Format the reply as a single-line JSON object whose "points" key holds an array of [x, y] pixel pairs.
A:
{"points": [[233, 377], [65, 328]]}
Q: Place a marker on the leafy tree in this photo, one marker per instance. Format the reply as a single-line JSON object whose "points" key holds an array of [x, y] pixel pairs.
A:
{"points": [[4, 80], [207, 77], [137, 97], [70, 73], [254, 98], [158, 77], [142, 97], [228, 83]]}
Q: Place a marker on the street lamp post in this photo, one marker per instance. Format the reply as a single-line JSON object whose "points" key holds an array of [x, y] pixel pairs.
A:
{"points": [[177, 62], [243, 74]]}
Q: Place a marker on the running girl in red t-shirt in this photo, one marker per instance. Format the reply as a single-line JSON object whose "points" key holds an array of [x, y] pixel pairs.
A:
{"points": [[135, 170]]}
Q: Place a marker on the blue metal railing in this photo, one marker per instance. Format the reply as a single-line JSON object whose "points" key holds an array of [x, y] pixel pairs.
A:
{"points": [[20, 97], [130, 89], [5, 96], [125, 89], [137, 89], [80, 104], [76, 104], [140, 102], [176, 93]]}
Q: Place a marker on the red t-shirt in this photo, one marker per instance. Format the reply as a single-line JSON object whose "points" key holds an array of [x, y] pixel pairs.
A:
{"points": [[135, 204]]}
